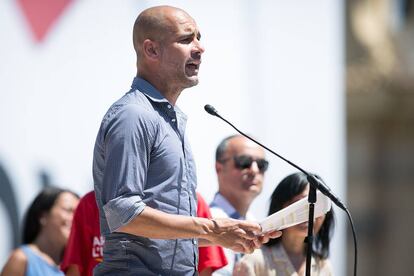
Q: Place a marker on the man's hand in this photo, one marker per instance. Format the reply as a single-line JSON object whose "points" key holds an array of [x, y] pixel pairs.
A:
{"points": [[265, 237], [240, 236]]}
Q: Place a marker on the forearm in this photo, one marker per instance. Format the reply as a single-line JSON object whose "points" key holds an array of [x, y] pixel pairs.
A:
{"points": [[237, 235], [204, 243], [154, 224]]}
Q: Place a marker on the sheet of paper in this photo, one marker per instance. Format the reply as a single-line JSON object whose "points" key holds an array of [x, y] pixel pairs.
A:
{"points": [[296, 213]]}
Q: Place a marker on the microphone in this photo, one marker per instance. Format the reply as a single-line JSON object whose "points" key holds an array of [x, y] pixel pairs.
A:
{"points": [[313, 180], [211, 110]]}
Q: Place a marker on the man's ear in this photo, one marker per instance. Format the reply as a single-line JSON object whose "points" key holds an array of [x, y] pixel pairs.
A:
{"points": [[219, 167], [151, 49]]}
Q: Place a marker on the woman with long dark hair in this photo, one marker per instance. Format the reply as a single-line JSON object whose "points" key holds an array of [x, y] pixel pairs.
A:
{"points": [[46, 229], [286, 255]]}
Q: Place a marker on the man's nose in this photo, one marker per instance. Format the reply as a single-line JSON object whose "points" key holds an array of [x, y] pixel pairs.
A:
{"points": [[254, 167], [199, 48]]}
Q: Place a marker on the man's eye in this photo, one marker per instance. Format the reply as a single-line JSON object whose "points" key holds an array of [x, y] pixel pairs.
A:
{"points": [[187, 40]]}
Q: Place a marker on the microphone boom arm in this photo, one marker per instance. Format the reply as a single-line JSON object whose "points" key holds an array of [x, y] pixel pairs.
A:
{"points": [[317, 183]]}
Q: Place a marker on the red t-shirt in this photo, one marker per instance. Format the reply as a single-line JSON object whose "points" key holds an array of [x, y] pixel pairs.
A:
{"points": [[210, 256], [85, 244]]}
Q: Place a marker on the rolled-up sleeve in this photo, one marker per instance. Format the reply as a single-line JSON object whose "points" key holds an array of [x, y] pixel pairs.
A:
{"points": [[121, 210], [127, 145]]}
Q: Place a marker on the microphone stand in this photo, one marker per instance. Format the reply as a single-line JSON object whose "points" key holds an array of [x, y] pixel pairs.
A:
{"points": [[314, 185], [311, 215]]}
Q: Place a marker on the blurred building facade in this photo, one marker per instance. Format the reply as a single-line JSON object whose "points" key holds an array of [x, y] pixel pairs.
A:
{"points": [[380, 133]]}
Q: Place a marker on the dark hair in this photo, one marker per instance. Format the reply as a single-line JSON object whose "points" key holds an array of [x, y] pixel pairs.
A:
{"points": [[287, 189], [42, 204], [222, 147]]}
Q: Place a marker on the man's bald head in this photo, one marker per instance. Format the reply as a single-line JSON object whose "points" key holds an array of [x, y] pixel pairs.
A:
{"points": [[155, 23]]}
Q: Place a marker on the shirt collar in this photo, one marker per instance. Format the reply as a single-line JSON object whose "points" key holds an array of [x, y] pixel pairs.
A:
{"points": [[220, 201], [155, 96], [279, 255], [148, 89]]}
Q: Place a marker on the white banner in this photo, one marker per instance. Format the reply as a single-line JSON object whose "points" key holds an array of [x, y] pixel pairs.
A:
{"points": [[273, 68]]}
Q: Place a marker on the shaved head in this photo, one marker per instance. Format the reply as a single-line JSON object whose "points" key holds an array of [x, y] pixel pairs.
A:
{"points": [[167, 44], [155, 23]]}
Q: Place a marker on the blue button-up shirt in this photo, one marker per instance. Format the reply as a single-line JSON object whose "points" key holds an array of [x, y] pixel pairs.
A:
{"points": [[142, 158], [221, 202]]}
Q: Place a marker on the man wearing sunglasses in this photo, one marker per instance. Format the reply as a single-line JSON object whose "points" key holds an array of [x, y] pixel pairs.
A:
{"points": [[240, 167]]}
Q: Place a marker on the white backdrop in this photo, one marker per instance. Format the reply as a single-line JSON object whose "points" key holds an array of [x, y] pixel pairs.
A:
{"points": [[273, 68]]}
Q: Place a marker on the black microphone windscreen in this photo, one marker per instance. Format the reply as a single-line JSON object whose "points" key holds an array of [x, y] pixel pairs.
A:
{"points": [[210, 109]]}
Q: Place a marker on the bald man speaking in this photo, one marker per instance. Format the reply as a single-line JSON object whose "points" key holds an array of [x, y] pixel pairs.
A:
{"points": [[143, 168]]}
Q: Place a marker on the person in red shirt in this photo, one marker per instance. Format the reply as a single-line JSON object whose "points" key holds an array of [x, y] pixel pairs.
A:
{"points": [[210, 258], [84, 248]]}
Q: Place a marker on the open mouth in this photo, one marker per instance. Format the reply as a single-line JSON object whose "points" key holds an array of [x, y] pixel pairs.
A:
{"points": [[193, 67]]}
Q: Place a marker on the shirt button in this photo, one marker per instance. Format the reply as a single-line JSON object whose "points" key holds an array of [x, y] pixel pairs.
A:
{"points": [[173, 120], [194, 241], [169, 106]]}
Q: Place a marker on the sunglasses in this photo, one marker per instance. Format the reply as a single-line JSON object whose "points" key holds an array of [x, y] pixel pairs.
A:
{"points": [[245, 162]]}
